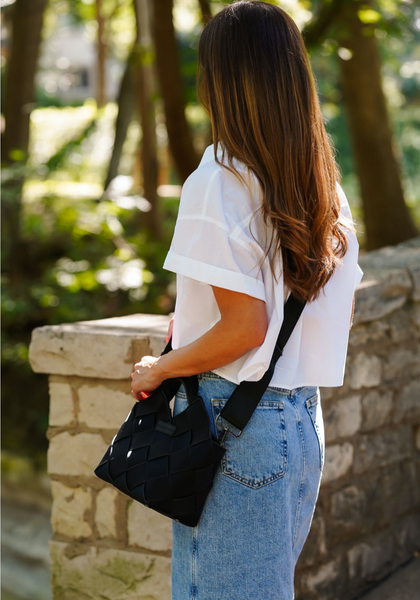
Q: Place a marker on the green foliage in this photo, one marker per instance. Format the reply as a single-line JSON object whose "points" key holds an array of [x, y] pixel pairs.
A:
{"points": [[75, 270], [85, 257]]}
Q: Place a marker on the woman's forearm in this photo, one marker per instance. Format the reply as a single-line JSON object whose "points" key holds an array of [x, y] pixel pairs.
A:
{"points": [[242, 327], [218, 347]]}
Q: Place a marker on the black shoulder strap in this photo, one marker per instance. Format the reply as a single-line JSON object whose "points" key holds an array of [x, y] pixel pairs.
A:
{"points": [[245, 398]]}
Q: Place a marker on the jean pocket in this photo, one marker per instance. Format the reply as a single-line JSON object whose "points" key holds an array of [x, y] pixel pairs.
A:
{"points": [[259, 456], [313, 406]]}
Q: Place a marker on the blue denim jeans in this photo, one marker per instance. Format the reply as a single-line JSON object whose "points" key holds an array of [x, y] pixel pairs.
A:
{"points": [[259, 511]]}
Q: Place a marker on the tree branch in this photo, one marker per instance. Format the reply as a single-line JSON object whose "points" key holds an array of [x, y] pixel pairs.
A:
{"points": [[315, 31], [205, 11]]}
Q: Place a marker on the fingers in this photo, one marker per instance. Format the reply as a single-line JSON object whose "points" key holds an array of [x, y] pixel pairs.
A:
{"points": [[134, 373], [144, 377], [146, 361]]}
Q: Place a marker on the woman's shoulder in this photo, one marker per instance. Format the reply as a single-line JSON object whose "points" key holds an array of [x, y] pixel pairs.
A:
{"points": [[213, 187]]}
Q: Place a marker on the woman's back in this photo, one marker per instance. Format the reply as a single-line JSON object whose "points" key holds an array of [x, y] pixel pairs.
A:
{"points": [[221, 239]]}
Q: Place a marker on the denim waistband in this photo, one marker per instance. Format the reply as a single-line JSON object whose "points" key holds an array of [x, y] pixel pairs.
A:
{"points": [[211, 375]]}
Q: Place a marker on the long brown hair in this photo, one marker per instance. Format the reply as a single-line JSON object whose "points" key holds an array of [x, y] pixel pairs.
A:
{"points": [[256, 83]]}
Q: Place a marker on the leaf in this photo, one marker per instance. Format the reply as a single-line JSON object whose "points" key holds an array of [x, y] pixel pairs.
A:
{"points": [[368, 15]]}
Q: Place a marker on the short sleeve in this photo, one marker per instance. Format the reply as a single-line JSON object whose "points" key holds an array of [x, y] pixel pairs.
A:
{"points": [[212, 242]]}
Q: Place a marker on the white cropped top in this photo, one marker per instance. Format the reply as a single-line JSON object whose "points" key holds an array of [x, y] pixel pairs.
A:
{"points": [[217, 241]]}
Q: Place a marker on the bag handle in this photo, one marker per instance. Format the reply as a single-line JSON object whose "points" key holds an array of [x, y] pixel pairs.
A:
{"points": [[244, 400], [170, 387]]}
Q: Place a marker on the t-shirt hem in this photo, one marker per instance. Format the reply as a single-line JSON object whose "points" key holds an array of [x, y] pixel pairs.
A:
{"points": [[283, 384], [212, 275]]}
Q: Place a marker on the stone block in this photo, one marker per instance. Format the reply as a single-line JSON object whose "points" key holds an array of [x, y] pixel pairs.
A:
{"points": [[408, 402], [402, 363], [343, 418], [157, 343], [327, 581], [90, 573], [61, 403], [105, 349], [377, 407], [414, 272], [404, 258], [381, 449], [400, 325], [369, 561], [106, 512], [69, 509], [407, 535], [104, 405], [381, 292], [348, 504], [355, 511], [147, 529], [400, 488], [338, 461], [327, 393], [414, 313], [76, 454], [365, 371], [365, 333]]}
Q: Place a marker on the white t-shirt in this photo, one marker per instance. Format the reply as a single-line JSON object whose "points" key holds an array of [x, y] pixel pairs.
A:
{"points": [[217, 241]]}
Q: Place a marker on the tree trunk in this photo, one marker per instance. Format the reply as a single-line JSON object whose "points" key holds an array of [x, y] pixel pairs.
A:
{"points": [[27, 20], [172, 89], [205, 11], [21, 69], [125, 101], [146, 90], [101, 56], [386, 216]]}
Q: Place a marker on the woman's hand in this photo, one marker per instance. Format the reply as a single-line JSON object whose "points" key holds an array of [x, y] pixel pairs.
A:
{"points": [[146, 377]]}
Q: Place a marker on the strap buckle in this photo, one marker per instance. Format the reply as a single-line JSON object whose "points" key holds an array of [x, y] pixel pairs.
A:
{"points": [[227, 428]]}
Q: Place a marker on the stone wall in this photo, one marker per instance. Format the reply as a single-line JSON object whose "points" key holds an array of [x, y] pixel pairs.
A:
{"points": [[367, 520]]}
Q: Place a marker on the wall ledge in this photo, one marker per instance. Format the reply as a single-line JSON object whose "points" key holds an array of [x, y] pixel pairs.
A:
{"points": [[391, 278], [106, 348]]}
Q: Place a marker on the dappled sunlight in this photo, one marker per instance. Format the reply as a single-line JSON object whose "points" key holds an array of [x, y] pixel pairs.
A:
{"points": [[53, 127], [122, 275], [71, 145], [33, 190]]}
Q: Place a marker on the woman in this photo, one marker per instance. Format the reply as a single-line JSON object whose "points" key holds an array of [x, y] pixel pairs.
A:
{"points": [[262, 216]]}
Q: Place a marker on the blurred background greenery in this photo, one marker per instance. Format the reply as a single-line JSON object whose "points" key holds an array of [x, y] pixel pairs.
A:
{"points": [[101, 125]]}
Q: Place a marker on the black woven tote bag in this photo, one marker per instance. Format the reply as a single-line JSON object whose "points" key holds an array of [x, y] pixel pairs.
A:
{"points": [[168, 463]]}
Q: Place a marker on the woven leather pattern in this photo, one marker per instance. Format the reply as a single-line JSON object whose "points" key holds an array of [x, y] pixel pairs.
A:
{"points": [[166, 463]]}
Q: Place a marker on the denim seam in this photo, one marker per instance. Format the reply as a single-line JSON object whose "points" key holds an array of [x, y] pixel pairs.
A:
{"points": [[299, 504], [194, 565], [256, 486], [310, 403], [210, 375], [313, 401]]}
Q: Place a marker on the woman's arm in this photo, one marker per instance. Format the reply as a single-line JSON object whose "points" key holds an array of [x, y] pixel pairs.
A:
{"points": [[242, 327]]}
